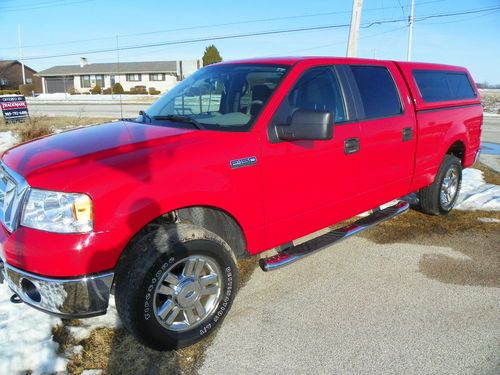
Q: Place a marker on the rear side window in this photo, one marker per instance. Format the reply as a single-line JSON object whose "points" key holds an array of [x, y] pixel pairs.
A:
{"points": [[440, 86], [378, 92]]}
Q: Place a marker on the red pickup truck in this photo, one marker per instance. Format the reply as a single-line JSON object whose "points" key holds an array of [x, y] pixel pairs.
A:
{"points": [[238, 158]]}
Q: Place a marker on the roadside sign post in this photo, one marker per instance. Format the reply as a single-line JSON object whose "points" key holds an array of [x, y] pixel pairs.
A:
{"points": [[14, 107]]}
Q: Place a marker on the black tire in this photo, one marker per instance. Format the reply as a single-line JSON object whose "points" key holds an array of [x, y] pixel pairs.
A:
{"points": [[139, 275], [430, 196]]}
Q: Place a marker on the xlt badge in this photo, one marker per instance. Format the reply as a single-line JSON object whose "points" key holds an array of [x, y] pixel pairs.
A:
{"points": [[244, 162]]}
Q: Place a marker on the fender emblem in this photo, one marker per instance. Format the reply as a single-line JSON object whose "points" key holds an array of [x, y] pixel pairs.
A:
{"points": [[244, 162]]}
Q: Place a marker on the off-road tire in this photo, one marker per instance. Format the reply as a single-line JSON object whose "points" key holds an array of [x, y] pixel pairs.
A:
{"points": [[139, 272], [430, 201]]}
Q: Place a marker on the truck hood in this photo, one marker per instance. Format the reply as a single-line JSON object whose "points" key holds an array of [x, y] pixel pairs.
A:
{"points": [[91, 143]]}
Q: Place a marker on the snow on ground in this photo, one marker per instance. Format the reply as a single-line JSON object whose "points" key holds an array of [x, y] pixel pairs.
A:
{"points": [[26, 336], [26, 339], [7, 140], [66, 97], [476, 194]]}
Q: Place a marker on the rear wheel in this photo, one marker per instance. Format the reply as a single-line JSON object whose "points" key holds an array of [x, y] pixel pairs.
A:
{"points": [[440, 197], [175, 285]]}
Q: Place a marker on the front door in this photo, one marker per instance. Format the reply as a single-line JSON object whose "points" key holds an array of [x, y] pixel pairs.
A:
{"points": [[308, 184]]}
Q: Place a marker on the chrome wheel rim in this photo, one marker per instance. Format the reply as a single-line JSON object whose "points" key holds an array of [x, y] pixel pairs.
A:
{"points": [[187, 293], [449, 187]]}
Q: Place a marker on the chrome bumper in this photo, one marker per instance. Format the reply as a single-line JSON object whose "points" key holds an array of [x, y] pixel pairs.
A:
{"points": [[68, 298]]}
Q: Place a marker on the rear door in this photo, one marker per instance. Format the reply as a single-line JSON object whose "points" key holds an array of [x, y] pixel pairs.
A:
{"points": [[388, 131]]}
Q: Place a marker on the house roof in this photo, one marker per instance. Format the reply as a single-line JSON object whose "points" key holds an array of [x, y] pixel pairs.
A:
{"points": [[112, 68], [7, 63]]}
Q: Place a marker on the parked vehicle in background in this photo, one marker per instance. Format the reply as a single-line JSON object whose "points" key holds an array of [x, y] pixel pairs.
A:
{"points": [[238, 158]]}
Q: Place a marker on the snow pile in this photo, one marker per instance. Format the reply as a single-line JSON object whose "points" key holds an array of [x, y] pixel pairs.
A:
{"points": [[476, 194], [7, 140], [26, 339], [98, 97]]}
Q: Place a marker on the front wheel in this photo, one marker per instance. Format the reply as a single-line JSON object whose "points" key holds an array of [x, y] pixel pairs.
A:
{"points": [[175, 285], [440, 197]]}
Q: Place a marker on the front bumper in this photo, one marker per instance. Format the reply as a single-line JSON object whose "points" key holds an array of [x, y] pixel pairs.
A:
{"points": [[81, 297]]}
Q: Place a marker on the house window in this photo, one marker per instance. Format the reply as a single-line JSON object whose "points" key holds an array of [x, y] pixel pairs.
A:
{"points": [[157, 76], [85, 81], [133, 77], [99, 80]]}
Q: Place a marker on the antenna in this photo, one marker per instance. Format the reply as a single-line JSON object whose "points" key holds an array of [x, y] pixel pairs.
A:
{"points": [[118, 74]]}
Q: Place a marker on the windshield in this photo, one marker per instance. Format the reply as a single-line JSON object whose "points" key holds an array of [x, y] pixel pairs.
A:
{"points": [[222, 97]]}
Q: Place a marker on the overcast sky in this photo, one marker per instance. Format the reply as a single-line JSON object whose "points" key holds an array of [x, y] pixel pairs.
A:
{"points": [[54, 27]]}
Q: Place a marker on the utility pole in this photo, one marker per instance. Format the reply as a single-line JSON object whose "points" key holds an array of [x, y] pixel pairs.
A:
{"points": [[352, 44], [20, 40], [410, 31], [118, 74]]}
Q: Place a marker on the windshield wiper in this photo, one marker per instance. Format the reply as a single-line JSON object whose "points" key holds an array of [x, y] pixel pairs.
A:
{"points": [[178, 118], [145, 116]]}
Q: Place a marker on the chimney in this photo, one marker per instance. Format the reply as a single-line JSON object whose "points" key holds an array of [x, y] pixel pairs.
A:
{"points": [[83, 62]]}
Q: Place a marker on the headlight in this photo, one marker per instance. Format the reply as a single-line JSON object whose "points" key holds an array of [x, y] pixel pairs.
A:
{"points": [[58, 212]]}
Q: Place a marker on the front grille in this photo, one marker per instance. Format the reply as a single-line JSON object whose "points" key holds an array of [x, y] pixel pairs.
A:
{"points": [[13, 188]]}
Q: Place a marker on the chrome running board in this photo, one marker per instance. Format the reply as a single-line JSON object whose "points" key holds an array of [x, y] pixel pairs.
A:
{"points": [[295, 253]]}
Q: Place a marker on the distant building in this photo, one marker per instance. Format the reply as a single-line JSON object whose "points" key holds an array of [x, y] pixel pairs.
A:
{"points": [[160, 75], [11, 76]]}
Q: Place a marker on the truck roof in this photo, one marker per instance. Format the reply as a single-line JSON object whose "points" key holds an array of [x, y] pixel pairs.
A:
{"points": [[292, 60]]}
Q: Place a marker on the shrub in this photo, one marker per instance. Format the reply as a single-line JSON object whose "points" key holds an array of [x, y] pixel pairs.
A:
{"points": [[73, 92], [138, 90], [96, 90], [34, 128], [27, 90], [106, 91], [10, 92], [117, 88], [153, 91]]}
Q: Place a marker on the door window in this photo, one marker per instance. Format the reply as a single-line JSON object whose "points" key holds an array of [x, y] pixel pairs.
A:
{"points": [[317, 90], [377, 90]]}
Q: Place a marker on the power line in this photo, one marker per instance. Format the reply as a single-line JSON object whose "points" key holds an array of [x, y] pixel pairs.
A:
{"points": [[259, 33], [206, 26], [337, 43], [50, 4]]}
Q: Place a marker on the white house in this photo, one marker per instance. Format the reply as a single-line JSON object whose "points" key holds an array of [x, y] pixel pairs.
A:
{"points": [[160, 75]]}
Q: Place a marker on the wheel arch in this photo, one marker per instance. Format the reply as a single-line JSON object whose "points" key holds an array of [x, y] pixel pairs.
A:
{"points": [[214, 219], [457, 149]]}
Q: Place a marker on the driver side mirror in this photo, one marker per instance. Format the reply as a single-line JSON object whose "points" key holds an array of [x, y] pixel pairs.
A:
{"points": [[307, 125]]}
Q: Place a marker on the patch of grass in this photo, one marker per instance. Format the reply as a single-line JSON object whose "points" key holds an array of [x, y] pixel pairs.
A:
{"points": [[491, 101], [414, 225], [490, 176], [53, 122]]}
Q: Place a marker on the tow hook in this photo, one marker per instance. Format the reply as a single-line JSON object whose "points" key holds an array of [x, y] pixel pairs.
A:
{"points": [[16, 299]]}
